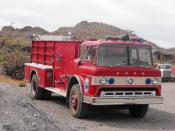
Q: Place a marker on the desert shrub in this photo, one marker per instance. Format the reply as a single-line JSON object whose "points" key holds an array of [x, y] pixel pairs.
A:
{"points": [[14, 64], [13, 54], [2, 58], [22, 84]]}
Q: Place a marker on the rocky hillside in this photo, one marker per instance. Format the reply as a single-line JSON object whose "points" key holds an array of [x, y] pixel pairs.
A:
{"points": [[22, 33], [86, 30], [172, 50], [81, 31]]}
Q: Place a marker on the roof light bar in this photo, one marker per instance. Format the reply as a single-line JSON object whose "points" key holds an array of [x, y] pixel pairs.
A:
{"points": [[125, 37]]}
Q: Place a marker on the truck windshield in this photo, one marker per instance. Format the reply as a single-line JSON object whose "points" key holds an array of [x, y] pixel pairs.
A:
{"points": [[112, 55], [120, 55], [140, 56]]}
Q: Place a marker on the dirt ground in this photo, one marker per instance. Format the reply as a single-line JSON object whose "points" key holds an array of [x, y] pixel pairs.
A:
{"points": [[18, 112]]}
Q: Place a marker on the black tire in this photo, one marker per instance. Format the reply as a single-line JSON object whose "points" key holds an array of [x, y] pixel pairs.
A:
{"points": [[77, 108], [47, 94], [138, 111], [36, 92]]}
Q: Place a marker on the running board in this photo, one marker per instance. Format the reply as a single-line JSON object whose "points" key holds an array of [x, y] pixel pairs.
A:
{"points": [[56, 90]]}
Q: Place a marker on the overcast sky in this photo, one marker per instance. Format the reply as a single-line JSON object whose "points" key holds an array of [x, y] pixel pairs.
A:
{"points": [[151, 19]]}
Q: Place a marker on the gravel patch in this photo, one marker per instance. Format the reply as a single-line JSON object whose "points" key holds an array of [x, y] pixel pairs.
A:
{"points": [[18, 112]]}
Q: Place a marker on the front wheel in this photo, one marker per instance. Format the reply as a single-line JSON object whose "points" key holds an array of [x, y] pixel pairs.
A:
{"points": [[138, 111], [77, 107]]}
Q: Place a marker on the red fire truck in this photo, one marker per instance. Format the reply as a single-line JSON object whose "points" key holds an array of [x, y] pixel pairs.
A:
{"points": [[114, 71]]}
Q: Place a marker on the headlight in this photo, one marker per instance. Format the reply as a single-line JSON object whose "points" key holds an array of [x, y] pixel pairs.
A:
{"points": [[86, 85], [155, 81], [103, 81], [154, 93]]}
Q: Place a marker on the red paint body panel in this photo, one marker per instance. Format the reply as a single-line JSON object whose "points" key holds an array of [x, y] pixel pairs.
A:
{"points": [[27, 73], [42, 76], [118, 71], [47, 53], [67, 52]]}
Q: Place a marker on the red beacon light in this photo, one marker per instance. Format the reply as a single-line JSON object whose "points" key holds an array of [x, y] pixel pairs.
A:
{"points": [[125, 38]]}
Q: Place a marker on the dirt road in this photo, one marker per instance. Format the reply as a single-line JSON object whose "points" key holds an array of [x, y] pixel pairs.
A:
{"points": [[19, 113]]}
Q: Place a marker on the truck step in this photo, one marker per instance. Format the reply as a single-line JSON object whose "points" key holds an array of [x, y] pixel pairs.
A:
{"points": [[56, 90]]}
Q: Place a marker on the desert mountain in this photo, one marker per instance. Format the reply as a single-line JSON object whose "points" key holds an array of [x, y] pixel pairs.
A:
{"points": [[22, 33], [86, 30], [81, 31]]}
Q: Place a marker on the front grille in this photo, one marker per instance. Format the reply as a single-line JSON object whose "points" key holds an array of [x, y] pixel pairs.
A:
{"points": [[127, 89], [118, 94], [167, 73]]}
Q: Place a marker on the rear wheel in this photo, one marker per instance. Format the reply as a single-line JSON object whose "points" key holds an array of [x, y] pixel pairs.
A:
{"points": [[77, 108], [138, 111], [36, 92]]}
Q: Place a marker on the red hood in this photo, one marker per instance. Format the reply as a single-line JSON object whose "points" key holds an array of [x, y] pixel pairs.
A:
{"points": [[126, 71]]}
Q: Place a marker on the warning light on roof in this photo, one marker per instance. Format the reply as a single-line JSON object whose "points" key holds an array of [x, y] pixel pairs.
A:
{"points": [[125, 37]]}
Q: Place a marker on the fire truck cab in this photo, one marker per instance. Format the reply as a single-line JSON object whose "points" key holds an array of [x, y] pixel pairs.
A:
{"points": [[113, 71]]}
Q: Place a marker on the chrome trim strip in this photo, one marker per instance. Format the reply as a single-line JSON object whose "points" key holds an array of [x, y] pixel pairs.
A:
{"points": [[123, 101], [56, 90], [123, 80], [39, 65], [52, 38]]}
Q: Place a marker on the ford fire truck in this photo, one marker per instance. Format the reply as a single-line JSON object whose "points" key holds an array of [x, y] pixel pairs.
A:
{"points": [[114, 71]]}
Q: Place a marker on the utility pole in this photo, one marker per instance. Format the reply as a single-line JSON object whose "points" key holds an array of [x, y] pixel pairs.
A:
{"points": [[11, 24]]}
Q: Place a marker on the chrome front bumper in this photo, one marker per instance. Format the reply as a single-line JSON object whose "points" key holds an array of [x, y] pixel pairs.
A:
{"points": [[122, 100]]}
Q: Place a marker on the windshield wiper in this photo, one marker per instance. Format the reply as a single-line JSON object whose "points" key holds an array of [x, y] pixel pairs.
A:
{"points": [[117, 65], [141, 66]]}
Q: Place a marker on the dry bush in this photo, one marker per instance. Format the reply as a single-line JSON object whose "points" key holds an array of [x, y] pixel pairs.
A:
{"points": [[22, 84], [9, 80], [14, 64], [13, 54]]}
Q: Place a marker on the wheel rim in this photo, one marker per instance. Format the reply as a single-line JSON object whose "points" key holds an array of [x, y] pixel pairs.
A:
{"points": [[74, 101], [33, 89]]}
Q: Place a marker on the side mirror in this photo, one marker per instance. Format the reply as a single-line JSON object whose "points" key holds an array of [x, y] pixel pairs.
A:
{"points": [[78, 62]]}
